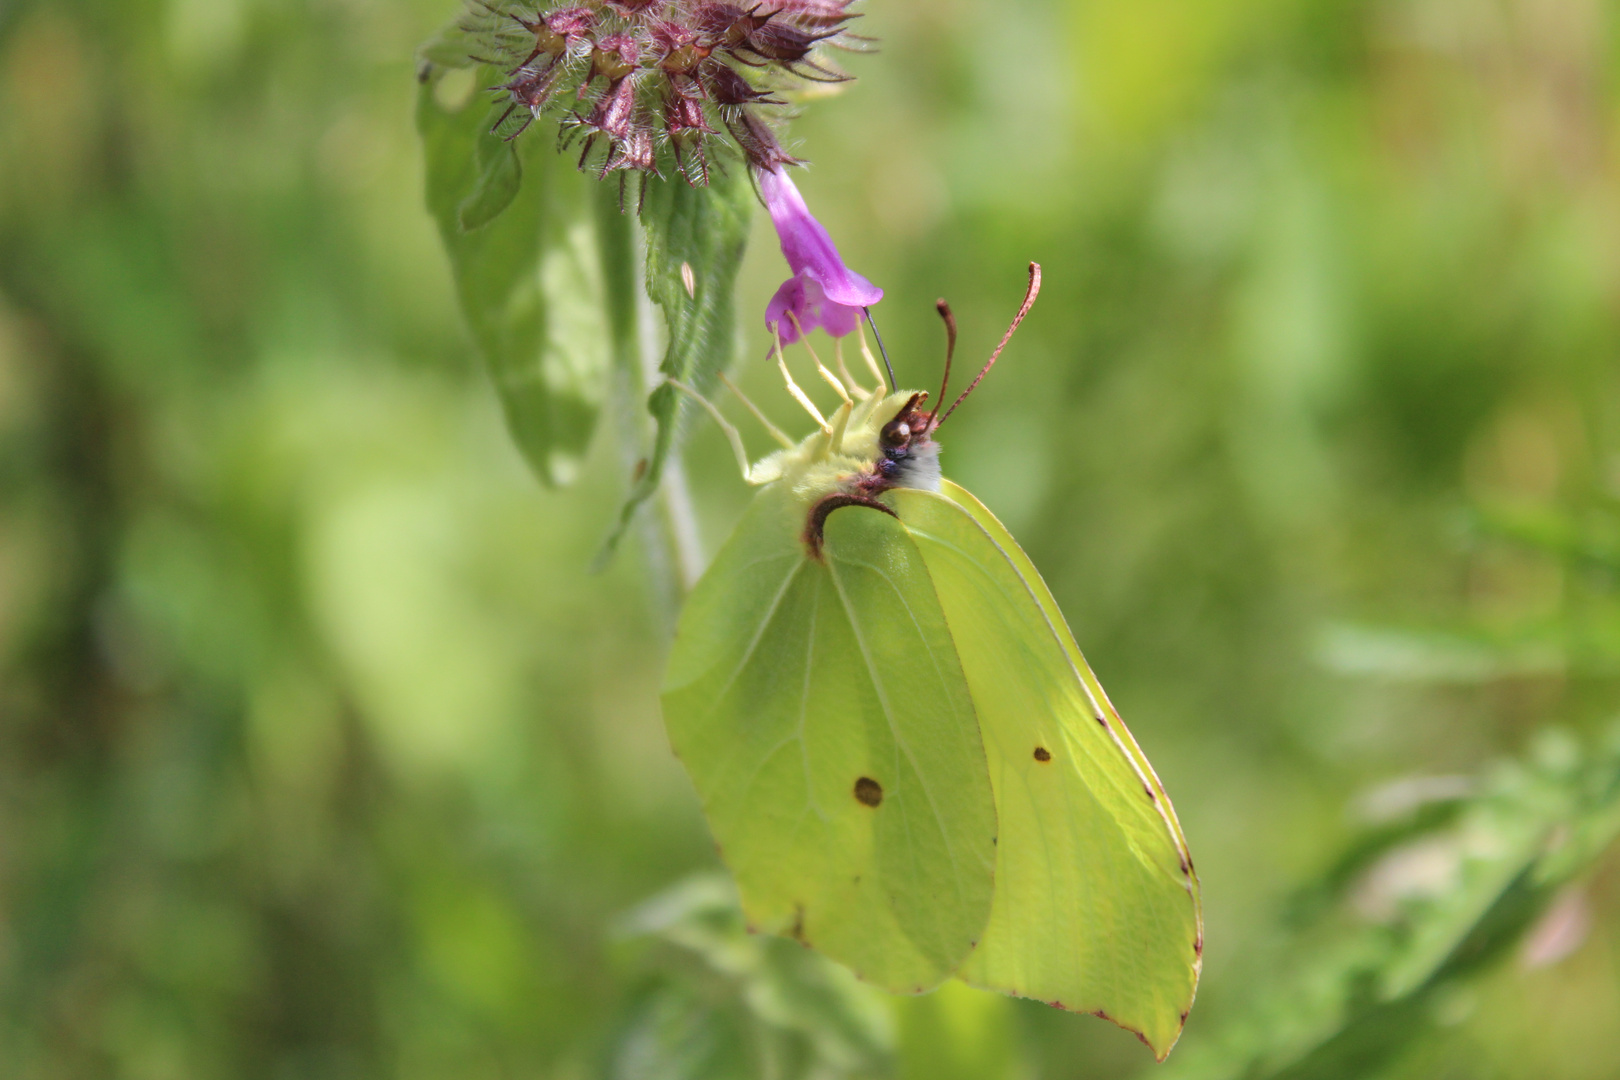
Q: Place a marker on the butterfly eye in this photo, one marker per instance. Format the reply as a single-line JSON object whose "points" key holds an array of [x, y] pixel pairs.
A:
{"points": [[895, 433]]}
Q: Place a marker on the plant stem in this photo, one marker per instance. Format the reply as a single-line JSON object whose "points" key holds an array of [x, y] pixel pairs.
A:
{"points": [[674, 496], [670, 538]]}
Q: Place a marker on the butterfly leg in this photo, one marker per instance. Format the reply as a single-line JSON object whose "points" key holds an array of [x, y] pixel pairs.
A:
{"points": [[871, 361], [843, 372], [840, 424], [799, 395], [775, 432], [821, 369], [732, 434]]}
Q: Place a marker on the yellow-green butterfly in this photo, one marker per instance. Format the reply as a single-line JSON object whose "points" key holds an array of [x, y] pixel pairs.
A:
{"points": [[905, 760]]}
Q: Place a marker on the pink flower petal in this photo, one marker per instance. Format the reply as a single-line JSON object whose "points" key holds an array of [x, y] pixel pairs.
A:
{"points": [[808, 248]]}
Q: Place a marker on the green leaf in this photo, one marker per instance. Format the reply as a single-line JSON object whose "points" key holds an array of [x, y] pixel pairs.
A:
{"points": [[498, 177], [1507, 852], [722, 1002], [521, 229], [451, 47], [696, 234]]}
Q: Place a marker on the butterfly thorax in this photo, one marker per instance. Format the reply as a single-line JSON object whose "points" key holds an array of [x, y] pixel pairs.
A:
{"points": [[867, 448]]}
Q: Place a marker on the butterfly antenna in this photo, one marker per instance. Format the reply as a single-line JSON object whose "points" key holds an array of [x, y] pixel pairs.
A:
{"points": [[1029, 302], [885, 352], [944, 310]]}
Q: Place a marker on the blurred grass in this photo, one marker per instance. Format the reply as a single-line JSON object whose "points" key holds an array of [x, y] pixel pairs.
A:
{"points": [[321, 756]]}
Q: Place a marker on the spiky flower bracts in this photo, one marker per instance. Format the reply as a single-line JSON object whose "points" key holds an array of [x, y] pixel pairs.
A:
{"points": [[647, 83]]}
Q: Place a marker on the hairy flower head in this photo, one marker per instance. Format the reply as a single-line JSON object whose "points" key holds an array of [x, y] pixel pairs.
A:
{"points": [[645, 82]]}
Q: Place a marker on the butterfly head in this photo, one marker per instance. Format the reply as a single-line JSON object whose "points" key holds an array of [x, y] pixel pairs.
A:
{"points": [[909, 424], [908, 456]]}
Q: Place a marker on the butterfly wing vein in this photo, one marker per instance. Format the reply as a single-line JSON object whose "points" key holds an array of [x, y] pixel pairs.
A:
{"points": [[899, 891], [1096, 907]]}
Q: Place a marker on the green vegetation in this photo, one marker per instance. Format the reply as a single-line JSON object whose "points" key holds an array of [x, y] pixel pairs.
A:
{"points": [[323, 754]]}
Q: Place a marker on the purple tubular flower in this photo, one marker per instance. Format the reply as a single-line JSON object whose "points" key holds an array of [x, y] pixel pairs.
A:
{"points": [[822, 291]]}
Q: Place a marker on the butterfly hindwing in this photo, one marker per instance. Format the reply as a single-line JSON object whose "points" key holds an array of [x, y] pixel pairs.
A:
{"points": [[1096, 906], [825, 720]]}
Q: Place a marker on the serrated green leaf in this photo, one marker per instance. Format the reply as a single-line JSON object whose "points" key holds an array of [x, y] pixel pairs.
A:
{"points": [[697, 235], [724, 1002], [520, 227], [1360, 1000]]}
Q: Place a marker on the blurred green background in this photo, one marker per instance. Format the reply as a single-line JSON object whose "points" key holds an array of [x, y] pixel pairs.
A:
{"points": [[322, 755]]}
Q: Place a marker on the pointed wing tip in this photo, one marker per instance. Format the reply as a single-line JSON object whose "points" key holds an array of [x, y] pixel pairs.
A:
{"points": [[1102, 1014], [1158, 1054]]}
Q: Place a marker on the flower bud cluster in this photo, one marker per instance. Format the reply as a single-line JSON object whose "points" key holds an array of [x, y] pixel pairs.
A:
{"points": [[645, 80]]}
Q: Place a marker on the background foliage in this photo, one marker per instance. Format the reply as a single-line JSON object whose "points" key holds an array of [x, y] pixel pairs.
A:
{"points": [[322, 756]]}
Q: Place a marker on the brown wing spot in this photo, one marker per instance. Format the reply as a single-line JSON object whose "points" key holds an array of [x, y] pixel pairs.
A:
{"points": [[1186, 867], [1101, 721], [1198, 944], [868, 791], [1183, 1018], [1042, 754], [1149, 791]]}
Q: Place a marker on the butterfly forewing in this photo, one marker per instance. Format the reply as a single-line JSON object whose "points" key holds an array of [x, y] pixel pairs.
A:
{"points": [[825, 720], [1096, 906]]}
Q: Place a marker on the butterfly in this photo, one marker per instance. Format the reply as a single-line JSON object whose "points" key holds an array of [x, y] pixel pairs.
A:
{"points": [[904, 759]]}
